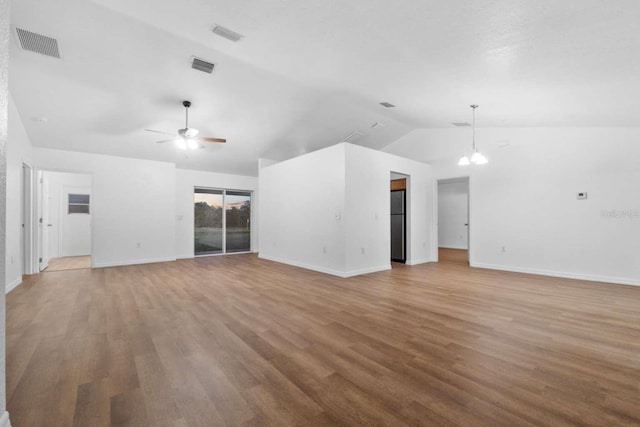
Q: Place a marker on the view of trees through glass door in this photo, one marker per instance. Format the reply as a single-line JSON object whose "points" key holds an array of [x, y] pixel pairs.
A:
{"points": [[222, 221]]}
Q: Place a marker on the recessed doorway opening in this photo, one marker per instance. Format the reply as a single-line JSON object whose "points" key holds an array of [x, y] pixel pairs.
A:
{"points": [[399, 213], [64, 220], [453, 220]]}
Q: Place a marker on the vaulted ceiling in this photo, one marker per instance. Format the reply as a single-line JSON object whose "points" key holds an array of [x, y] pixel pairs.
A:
{"points": [[309, 73]]}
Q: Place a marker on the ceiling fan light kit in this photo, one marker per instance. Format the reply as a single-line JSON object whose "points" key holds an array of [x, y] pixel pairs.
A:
{"points": [[476, 158], [187, 138]]}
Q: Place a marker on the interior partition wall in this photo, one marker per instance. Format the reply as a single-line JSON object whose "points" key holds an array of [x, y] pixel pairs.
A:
{"points": [[222, 221]]}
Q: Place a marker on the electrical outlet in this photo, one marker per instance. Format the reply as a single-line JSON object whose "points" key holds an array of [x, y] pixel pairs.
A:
{"points": [[324, 249], [504, 249], [138, 245], [362, 251]]}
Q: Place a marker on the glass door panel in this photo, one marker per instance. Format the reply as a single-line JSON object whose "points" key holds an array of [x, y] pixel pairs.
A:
{"points": [[208, 221], [237, 209]]}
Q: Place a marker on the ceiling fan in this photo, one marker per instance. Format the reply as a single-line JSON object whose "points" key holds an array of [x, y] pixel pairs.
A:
{"points": [[187, 137]]}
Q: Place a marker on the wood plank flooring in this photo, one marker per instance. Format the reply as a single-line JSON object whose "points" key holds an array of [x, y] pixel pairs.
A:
{"points": [[69, 263], [239, 341], [453, 255]]}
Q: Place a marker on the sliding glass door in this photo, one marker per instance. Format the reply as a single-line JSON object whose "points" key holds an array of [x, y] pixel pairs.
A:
{"points": [[222, 221], [237, 211]]}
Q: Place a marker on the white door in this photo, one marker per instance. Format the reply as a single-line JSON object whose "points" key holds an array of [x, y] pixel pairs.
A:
{"points": [[75, 221], [43, 221]]}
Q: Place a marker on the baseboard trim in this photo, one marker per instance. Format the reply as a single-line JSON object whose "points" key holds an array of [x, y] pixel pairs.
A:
{"points": [[453, 247], [4, 420], [578, 276], [303, 265], [420, 261], [11, 286], [131, 262], [366, 271]]}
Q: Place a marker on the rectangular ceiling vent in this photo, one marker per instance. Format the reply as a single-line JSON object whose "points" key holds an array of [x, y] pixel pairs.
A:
{"points": [[461, 124], [387, 104], [227, 33], [201, 65], [353, 136], [38, 43]]}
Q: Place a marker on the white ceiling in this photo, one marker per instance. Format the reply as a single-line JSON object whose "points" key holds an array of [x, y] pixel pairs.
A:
{"points": [[308, 73]]}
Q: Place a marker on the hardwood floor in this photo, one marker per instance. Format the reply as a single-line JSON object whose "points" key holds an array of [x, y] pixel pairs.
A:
{"points": [[453, 255], [239, 341], [69, 263]]}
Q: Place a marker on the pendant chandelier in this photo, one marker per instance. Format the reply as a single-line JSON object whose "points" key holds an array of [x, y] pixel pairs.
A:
{"points": [[476, 156]]}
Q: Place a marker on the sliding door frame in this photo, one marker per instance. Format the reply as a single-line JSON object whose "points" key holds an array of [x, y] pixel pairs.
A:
{"points": [[224, 192]]}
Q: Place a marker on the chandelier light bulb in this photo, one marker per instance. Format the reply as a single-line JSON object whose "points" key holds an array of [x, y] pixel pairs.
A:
{"points": [[192, 143], [181, 143], [476, 157]]}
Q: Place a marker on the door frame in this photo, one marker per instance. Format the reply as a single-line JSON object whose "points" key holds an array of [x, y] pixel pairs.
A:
{"points": [[224, 220], [397, 174], [29, 237], [37, 205], [435, 230]]}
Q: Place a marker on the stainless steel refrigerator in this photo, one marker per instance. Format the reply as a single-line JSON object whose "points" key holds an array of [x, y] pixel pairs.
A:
{"points": [[398, 226]]}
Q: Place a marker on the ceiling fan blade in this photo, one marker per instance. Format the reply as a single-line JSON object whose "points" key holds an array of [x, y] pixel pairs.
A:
{"points": [[204, 139], [166, 140], [158, 131]]}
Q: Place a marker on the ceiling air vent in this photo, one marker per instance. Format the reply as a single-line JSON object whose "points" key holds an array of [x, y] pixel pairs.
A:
{"points": [[387, 104], [353, 136], [460, 124], [38, 43], [227, 33], [200, 65]]}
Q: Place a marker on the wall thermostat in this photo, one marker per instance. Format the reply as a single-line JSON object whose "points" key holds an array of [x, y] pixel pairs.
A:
{"points": [[581, 196]]}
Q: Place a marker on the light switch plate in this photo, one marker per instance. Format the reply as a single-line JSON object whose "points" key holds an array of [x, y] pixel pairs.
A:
{"points": [[581, 196]]}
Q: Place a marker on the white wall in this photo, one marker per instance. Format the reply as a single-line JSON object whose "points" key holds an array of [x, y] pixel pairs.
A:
{"points": [[69, 234], [133, 205], [19, 151], [453, 202], [301, 211], [324, 209], [186, 181], [367, 211], [525, 199], [4, 124]]}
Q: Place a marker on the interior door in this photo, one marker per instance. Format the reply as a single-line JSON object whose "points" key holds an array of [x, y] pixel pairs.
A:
{"points": [[43, 221], [75, 221]]}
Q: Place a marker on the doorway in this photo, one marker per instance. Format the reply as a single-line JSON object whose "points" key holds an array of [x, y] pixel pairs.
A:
{"points": [[26, 215], [222, 221], [398, 208], [453, 220], [64, 220]]}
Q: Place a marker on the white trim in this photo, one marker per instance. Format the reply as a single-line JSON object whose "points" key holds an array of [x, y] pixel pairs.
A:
{"points": [[302, 265], [420, 261], [366, 271], [191, 256], [131, 262], [452, 247], [4, 420], [330, 271], [579, 276], [11, 286]]}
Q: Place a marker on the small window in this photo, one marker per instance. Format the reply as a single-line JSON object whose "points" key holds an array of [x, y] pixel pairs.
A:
{"points": [[78, 204]]}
